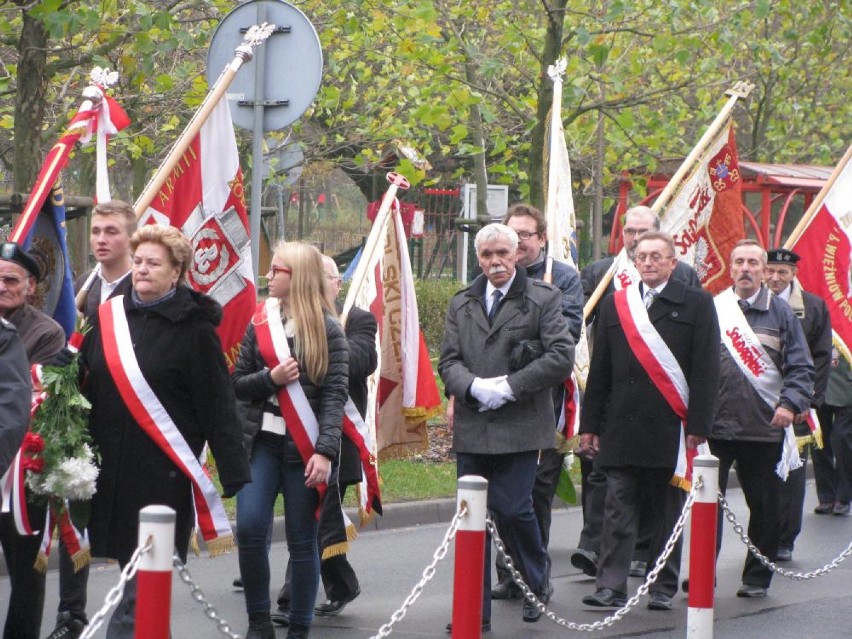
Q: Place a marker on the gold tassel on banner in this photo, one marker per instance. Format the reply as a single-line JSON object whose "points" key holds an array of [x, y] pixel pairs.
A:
{"points": [[81, 559], [335, 550], [40, 564], [221, 546], [193, 543]]}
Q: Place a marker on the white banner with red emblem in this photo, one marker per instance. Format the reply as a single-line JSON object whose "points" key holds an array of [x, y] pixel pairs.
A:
{"points": [[204, 198]]}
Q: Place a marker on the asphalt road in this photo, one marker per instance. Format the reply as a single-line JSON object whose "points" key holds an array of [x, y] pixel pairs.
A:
{"points": [[390, 562]]}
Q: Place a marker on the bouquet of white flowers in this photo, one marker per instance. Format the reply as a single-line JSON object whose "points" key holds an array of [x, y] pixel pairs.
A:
{"points": [[58, 454]]}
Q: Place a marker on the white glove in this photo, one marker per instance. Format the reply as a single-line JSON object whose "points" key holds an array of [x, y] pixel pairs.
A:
{"points": [[488, 392], [504, 388]]}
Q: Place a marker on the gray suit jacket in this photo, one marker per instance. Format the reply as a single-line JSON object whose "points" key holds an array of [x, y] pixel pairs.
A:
{"points": [[472, 348]]}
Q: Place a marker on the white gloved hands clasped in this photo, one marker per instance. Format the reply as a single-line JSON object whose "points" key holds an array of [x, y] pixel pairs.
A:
{"points": [[491, 392]]}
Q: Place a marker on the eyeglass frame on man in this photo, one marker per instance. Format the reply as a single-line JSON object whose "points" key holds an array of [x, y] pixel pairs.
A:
{"points": [[656, 258], [526, 235]]}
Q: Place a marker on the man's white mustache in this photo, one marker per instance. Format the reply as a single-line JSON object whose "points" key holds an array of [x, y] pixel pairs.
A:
{"points": [[496, 269]]}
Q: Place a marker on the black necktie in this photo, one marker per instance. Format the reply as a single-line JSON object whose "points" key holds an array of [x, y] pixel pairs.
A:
{"points": [[496, 296], [743, 305]]}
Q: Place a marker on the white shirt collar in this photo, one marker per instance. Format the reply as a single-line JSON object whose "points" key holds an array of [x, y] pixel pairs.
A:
{"points": [[490, 288]]}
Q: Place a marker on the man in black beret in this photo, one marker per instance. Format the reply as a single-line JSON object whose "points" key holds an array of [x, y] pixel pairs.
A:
{"points": [[42, 338], [780, 276]]}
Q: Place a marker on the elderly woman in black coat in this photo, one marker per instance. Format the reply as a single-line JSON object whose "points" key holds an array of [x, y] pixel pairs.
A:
{"points": [[159, 387], [293, 372]]}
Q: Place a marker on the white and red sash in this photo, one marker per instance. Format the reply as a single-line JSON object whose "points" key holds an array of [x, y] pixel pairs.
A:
{"points": [[624, 273], [569, 412], [354, 427], [299, 417], [756, 366], [152, 417], [662, 368]]}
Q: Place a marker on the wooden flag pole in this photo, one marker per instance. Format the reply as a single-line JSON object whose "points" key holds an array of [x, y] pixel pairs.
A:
{"points": [[374, 239], [254, 36], [244, 52], [555, 72], [817, 203], [739, 90]]}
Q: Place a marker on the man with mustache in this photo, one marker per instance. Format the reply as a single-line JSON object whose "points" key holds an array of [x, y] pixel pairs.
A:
{"points": [[813, 315], [503, 404], [766, 380]]}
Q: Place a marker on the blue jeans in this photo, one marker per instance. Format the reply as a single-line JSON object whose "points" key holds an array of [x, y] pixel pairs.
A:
{"points": [[275, 467]]}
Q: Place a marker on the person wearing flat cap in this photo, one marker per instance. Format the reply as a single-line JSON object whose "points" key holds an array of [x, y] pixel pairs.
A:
{"points": [[42, 339], [19, 274], [780, 276]]}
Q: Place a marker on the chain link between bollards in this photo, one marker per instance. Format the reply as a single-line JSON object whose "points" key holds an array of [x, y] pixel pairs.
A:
{"points": [[117, 592], [428, 573], [797, 576], [197, 593], [677, 531]]}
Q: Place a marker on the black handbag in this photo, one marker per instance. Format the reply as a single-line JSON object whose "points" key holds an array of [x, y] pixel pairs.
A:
{"points": [[525, 352]]}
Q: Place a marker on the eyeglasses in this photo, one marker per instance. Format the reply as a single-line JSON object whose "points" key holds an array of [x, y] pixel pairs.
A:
{"points": [[280, 269], [525, 235], [656, 258]]}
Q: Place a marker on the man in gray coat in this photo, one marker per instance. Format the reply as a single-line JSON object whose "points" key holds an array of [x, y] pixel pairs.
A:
{"points": [[503, 403]]}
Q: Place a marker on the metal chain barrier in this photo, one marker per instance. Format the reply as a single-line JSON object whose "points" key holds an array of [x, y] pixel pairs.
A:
{"points": [[196, 593], [428, 573], [677, 531], [114, 596], [790, 574]]}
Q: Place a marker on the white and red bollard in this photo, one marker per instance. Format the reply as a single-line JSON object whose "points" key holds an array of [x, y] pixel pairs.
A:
{"points": [[702, 548], [470, 558], [154, 577]]}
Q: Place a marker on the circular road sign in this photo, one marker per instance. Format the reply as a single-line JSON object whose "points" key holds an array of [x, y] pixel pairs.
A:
{"points": [[290, 62]]}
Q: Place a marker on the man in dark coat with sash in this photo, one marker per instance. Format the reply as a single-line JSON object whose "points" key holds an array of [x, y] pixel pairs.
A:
{"points": [[650, 398]]}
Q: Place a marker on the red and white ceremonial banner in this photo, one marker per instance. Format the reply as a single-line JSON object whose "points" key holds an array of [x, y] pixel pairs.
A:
{"points": [[204, 198], [99, 114], [826, 250], [402, 393], [704, 213]]}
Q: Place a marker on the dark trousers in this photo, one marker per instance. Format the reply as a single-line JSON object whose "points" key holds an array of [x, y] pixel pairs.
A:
{"points": [[544, 490], [756, 463], [510, 486], [338, 577], [593, 483], [72, 588], [630, 491], [833, 464], [792, 504], [26, 600]]}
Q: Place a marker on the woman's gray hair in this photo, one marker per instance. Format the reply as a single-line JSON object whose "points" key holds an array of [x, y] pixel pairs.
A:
{"points": [[490, 232]]}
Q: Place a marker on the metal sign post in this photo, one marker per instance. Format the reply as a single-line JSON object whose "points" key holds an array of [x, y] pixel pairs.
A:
{"points": [[280, 85]]}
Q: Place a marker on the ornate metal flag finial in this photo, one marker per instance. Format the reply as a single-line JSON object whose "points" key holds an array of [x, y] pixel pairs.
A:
{"points": [[103, 77], [557, 69], [255, 35]]}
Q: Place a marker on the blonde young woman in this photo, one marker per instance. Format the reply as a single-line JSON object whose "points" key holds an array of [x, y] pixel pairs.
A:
{"points": [[292, 376]]}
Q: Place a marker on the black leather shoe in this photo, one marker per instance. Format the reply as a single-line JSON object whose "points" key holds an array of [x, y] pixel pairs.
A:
{"points": [[751, 592], [506, 590], [297, 631], [637, 568], [530, 613], [260, 627], [784, 554], [281, 617], [486, 626], [824, 509], [585, 560], [332, 608], [659, 601], [67, 627], [606, 598], [237, 583]]}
